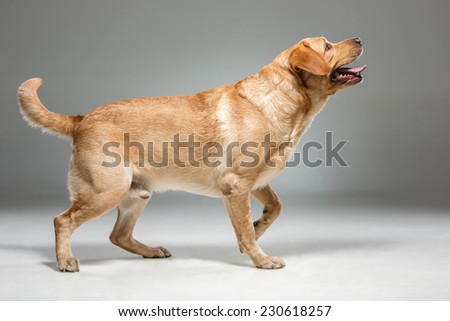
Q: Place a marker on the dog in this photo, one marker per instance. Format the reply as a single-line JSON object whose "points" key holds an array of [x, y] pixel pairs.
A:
{"points": [[268, 112]]}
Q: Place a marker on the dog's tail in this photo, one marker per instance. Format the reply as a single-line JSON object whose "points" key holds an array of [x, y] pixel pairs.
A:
{"points": [[36, 115]]}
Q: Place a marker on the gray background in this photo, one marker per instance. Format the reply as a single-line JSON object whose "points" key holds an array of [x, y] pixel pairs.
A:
{"points": [[377, 230], [93, 52]]}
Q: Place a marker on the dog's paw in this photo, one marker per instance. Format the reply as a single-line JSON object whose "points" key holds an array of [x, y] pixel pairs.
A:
{"points": [[156, 252], [70, 264], [270, 262]]}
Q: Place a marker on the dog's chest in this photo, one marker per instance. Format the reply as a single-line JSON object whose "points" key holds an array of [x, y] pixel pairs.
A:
{"points": [[286, 147], [276, 164]]}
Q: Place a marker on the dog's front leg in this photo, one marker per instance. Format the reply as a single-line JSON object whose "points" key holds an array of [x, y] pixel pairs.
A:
{"points": [[272, 208], [236, 195]]}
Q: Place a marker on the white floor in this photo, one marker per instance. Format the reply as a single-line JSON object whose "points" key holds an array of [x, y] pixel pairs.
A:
{"points": [[335, 249]]}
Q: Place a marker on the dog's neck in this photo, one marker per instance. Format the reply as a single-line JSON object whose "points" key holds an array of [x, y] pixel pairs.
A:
{"points": [[281, 96]]}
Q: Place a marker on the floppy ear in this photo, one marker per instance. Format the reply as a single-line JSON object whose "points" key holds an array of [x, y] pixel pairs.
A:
{"points": [[304, 57]]}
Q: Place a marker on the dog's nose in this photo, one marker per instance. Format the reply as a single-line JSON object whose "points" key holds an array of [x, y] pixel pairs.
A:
{"points": [[357, 40]]}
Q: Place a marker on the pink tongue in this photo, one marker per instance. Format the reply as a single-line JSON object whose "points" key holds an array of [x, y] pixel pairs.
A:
{"points": [[355, 70]]}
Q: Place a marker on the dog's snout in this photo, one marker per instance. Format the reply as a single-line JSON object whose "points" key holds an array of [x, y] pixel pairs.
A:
{"points": [[357, 40]]}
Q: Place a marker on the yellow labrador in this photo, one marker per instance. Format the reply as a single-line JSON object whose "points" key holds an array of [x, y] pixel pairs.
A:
{"points": [[124, 151]]}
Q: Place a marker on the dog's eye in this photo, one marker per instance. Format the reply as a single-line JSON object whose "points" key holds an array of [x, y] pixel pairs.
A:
{"points": [[327, 46]]}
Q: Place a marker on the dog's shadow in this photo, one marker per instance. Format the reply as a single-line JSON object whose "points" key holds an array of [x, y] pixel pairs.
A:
{"points": [[101, 254]]}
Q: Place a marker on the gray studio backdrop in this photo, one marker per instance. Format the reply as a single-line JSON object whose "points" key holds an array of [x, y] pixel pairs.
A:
{"points": [[93, 52]]}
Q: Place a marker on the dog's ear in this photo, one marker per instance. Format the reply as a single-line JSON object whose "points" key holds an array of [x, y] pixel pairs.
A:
{"points": [[306, 58]]}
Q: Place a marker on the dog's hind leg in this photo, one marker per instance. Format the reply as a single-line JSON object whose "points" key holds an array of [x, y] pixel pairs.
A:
{"points": [[271, 211], [94, 191], [67, 222], [129, 211]]}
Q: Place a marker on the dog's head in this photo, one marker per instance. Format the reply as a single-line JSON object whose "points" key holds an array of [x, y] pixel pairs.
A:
{"points": [[321, 64]]}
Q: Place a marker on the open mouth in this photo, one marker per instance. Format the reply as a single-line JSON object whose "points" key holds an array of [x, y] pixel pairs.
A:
{"points": [[343, 75]]}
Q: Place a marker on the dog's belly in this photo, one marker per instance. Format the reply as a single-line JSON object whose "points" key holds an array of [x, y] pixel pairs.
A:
{"points": [[166, 183], [205, 185]]}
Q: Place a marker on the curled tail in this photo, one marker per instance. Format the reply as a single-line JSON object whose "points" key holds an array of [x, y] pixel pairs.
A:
{"points": [[36, 115]]}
